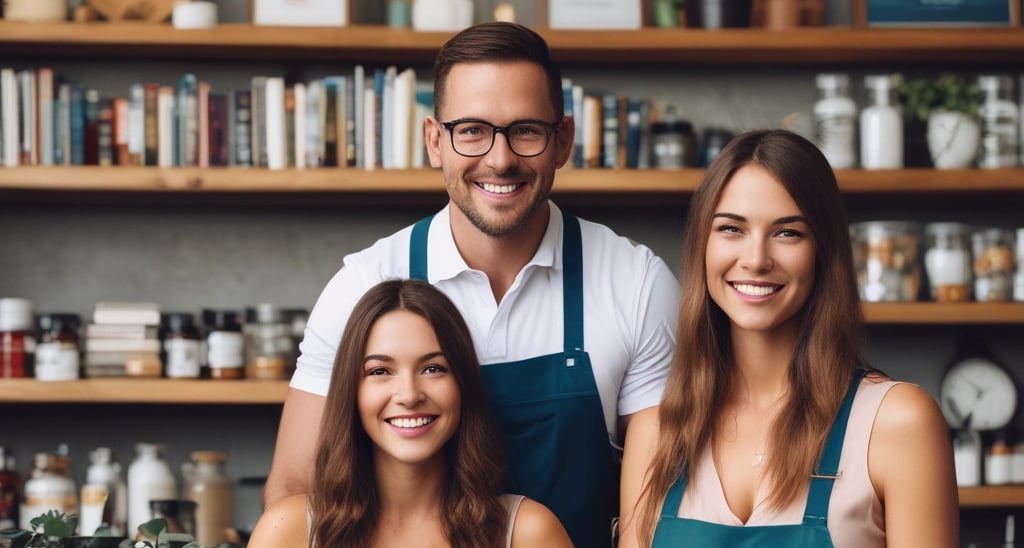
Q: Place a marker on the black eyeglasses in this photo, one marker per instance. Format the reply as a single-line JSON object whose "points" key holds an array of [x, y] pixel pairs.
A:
{"points": [[473, 138]]}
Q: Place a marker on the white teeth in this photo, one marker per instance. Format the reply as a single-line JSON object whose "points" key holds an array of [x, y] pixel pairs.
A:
{"points": [[500, 189], [411, 423], [755, 290]]}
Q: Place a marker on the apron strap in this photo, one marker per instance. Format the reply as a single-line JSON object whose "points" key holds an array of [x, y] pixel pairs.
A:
{"points": [[670, 508], [418, 250], [827, 472], [572, 283]]}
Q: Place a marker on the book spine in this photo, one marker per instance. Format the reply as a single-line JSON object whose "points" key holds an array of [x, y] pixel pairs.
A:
{"points": [[203, 123], [77, 133], [121, 156], [92, 127], [610, 130], [27, 149], [258, 106], [296, 122], [243, 127], [44, 87], [105, 133], [312, 123], [218, 131], [165, 126], [275, 132], [151, 128], [358, 110], [62, 125], [330, 125]]}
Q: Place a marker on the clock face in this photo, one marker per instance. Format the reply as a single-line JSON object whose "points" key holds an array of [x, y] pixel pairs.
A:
{"points": [[979, 394]]}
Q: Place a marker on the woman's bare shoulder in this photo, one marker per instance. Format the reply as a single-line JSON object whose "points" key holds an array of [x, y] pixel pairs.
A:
{"points": [[282, 525], [536, 525]]}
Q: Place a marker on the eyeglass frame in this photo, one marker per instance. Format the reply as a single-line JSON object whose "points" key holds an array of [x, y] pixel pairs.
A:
{"points": [[495, 130]]}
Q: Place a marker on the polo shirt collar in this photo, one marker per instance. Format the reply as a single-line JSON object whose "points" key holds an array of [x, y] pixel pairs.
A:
{"points": [[449, 263]]}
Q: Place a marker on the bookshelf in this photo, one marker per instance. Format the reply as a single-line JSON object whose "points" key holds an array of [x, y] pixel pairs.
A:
{"points": [[801, 49]]}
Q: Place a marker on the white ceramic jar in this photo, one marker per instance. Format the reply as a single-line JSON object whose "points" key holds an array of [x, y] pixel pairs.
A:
{"points": [[149, 478]]}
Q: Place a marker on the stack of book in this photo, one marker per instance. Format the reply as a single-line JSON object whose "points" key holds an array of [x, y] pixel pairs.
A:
{"points": [[123, 340]]}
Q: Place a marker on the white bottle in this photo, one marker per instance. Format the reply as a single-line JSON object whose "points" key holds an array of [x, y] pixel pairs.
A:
{"points": [[149, 478], [49, 488], [999, 119], [881, 127], [835, 120], [104, 494]]}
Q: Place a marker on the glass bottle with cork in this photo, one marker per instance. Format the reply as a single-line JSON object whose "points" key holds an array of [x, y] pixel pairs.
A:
{"points": [[207, 483]]}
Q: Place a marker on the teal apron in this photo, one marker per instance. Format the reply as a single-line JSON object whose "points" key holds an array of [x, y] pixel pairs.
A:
{"points": [[674, 531], [556, 443]]}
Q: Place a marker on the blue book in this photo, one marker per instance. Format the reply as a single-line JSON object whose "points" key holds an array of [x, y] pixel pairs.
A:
{"points": [[931, 13], [76, 102]]}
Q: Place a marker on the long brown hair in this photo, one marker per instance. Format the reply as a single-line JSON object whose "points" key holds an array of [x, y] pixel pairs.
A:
{"points": [[344, 503], [497, 42], [828, 347]]}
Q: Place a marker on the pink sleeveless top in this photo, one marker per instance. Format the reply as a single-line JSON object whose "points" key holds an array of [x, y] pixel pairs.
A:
{"points": [[855, 515]]}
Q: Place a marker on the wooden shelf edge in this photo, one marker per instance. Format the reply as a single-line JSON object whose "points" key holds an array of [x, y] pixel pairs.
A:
{"points": [[145, 391], [989, 496], [807, 45], [930, 313], [429, 181]]}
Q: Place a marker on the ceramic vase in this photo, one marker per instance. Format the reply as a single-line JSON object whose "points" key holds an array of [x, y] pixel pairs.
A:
{"points": [[953, 139]]}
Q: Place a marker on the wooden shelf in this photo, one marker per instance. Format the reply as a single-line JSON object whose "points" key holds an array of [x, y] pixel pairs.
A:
{"points": [[151, 391], [988, 496], [920, 313], [428, 181], [369, 43]]}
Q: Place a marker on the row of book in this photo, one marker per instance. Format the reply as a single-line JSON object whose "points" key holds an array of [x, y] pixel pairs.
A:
{"points": [[363, 119], [360, 119]]}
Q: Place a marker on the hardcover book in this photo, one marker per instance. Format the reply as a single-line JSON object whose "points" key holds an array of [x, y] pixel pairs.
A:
{"points": [[939, 13]]}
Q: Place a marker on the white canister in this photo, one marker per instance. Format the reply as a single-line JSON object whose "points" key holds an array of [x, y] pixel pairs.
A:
{"points": [[149, 478], [967, 458], [442, 15]]}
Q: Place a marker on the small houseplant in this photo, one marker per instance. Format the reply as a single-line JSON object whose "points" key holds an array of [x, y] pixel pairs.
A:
{"points": [[57, 530], [949, 107]]}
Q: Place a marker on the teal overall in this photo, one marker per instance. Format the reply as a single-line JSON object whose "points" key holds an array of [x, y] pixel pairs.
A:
{"points": [[674, 531], [556, 443]]}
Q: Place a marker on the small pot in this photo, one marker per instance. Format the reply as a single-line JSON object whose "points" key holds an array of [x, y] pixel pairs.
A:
{"points": [[92, 542], [953, 139]]}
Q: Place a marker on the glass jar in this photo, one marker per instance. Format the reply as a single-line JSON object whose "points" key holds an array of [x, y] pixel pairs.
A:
{"points": [[224, 344], [269, 347], [947, 261], [835, 120], [181, 346], [674, 144], [58, 356], [885, 254], [10, 490], [207, 483], [994, 264], [49, 487], [999, 118], [17, 343]]}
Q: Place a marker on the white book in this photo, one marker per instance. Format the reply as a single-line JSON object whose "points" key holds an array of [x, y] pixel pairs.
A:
{"points": [[313, 116], [125, 312], [274, 108], [299, 119], [122, 345], [358, 85], [9, 98], [62, 129], [387, 111], [29, 124], [165, 126], [44, 88], [137, 121], [369, 128], [403, 98]]}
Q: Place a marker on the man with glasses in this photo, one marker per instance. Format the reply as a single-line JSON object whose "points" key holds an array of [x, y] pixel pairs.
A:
{"points": [[574, 324]]}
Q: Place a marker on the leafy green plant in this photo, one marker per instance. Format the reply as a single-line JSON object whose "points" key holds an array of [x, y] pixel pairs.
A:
{"points": [[48, 531], [921, 96]]}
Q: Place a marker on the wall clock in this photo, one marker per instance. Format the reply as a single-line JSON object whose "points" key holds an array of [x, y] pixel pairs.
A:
{"points": [[977, 394]]}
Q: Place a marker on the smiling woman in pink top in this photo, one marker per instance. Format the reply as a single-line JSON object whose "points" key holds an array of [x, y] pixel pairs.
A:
{"points": [[408, 453], [773, 430]]}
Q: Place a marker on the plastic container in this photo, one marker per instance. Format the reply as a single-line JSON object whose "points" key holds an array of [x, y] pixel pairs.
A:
{"points": [[994, 264], [207, 483], [881, 126], [835, 120], [885, 255], [149, 478], [947, 261]]}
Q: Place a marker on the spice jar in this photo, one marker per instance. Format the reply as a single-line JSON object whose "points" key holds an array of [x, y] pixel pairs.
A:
{"points": [[49, 487], [58, 356], [885, 256], [181, 345], [207, 483], [947, 261], [994, 264], [17, 343], [673, 142], [224, 344], [269, 348]]}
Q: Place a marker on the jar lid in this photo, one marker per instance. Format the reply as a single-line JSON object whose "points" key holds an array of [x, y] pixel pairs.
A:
{"points": [[946, 229], [214, 457], [264, 313], [882, 229], [226, 320], [58, 321], [179, 322], [15, 314], [832, 80]]}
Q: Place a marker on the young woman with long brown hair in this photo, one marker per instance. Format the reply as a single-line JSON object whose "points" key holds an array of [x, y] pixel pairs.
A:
{"points": [[772, 430], [408, 454]]}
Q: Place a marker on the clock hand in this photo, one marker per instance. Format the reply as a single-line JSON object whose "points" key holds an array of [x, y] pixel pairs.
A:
{"points": [[958, 416]]}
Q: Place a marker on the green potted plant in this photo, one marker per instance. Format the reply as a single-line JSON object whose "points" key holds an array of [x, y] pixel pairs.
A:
{"points": [[949, 106], [57, 530]]}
